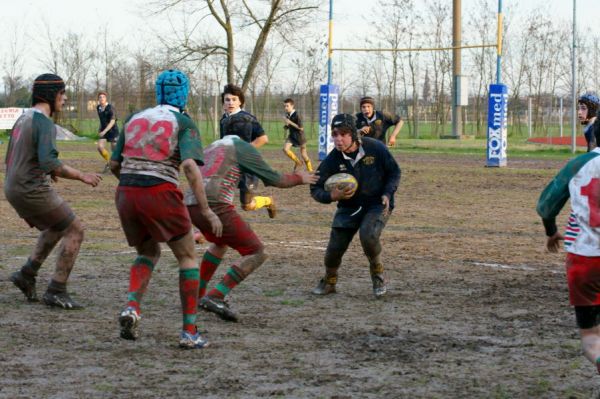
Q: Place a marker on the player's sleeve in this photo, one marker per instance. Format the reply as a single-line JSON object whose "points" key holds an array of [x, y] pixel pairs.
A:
{"points": [[390, 118], [190, 144], [317, 190], [257, 129], [111, 112], [556, 193], [298, 120], [117, 154], [392, 172], [44, 136], [358, 120], [252, 162]]}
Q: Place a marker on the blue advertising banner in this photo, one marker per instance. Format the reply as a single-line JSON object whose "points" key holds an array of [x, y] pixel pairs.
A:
{"points": [[497, 125], [328, 108]]}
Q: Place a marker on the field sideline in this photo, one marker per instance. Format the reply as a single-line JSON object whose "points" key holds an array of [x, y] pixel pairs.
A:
{"points": [[477, 308]]}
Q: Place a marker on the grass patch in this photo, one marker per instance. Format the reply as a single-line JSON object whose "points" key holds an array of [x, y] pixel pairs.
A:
{"points": [[292, 302], [104, 387], [273, 293]]}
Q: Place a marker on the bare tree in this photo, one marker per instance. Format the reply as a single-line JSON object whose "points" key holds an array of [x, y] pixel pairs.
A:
{"points": [[237, 16], [438, 17], [481, 26], [13, 62], [310, 71]]}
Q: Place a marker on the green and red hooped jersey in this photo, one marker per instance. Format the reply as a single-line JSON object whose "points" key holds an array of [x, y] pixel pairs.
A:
{"points": [[155, 141], [225, 161], [579, 180]]}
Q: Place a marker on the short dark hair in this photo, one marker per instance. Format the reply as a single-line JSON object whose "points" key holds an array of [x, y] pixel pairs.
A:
{"points": [[367, 100], [233, 90], [288, 101], [102, 92]]}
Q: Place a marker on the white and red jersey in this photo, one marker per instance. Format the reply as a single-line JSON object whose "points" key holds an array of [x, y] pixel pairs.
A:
{"points": [[155, 141], [579, 180]]}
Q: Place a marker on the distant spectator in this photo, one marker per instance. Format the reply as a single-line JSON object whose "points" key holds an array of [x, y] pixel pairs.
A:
{"points": [[375, 124], [587, 106], [108, 130], [295, 136]]}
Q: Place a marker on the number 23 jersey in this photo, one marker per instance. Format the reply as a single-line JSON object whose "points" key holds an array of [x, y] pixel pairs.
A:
{"points": [[155, 141], [579, 180]]}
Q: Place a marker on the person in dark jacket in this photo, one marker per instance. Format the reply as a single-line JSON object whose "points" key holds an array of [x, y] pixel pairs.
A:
{"points": [[375, 124], [108, 130], [587, 106], [367, 210]]}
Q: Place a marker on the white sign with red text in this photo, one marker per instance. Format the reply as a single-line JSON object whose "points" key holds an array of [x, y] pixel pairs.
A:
{"points": [[8, 116]]}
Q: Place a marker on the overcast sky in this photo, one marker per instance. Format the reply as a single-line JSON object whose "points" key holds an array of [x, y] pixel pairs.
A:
{"points": [[129, 24]]}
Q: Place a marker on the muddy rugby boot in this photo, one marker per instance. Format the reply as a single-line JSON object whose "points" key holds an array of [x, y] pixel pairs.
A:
{"points": [[324, 287], [26, 284], [192, 341], [61, 300], [379, 285], [129, 320], [218, 307]]}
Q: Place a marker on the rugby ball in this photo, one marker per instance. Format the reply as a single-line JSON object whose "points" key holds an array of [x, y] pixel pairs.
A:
{"points": [[341, 181]]}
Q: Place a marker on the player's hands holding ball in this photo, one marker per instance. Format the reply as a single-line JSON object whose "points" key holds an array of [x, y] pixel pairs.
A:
{"points": [[341, 193]]}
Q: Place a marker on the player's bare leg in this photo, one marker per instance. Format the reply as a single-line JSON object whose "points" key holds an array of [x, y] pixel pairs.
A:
{"points": [[24, 279], [306, 158], [101, 147], [287, 150], [590, 341], [56, 294], [214, 301]]}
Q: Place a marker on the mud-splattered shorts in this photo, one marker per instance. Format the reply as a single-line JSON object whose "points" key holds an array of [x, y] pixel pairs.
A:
{"points": [[156, 212], [237, 233]]}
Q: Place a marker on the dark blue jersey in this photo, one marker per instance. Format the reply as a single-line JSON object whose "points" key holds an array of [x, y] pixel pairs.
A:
{"points": [[380, 124], [376, 171], [242, 124], [106, 115]]}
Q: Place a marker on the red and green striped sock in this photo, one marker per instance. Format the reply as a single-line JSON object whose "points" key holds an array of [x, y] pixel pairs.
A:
{"points": [[188, 291], [233, 277], [208, 266], [139, 277]]}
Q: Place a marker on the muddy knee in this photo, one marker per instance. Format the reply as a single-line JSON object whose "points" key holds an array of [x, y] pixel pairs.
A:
{"points": [[250, 263]]}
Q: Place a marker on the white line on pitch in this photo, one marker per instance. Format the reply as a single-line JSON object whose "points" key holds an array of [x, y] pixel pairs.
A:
{"points": [[512, 267]]}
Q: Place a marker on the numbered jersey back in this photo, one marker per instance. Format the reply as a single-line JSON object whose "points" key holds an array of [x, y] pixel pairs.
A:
{"points": [[151, 144], [583, 228]]}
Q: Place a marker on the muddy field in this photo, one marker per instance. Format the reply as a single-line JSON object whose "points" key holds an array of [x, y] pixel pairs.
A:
{"points": [[476, 307]]}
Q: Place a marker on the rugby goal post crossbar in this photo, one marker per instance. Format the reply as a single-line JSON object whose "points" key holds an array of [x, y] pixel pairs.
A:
{"points": [[416, 48]]}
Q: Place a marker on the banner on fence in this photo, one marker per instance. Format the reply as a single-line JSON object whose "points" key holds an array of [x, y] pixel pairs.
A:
{"points": [[8, 116], [497, 125], [328, 108]]}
